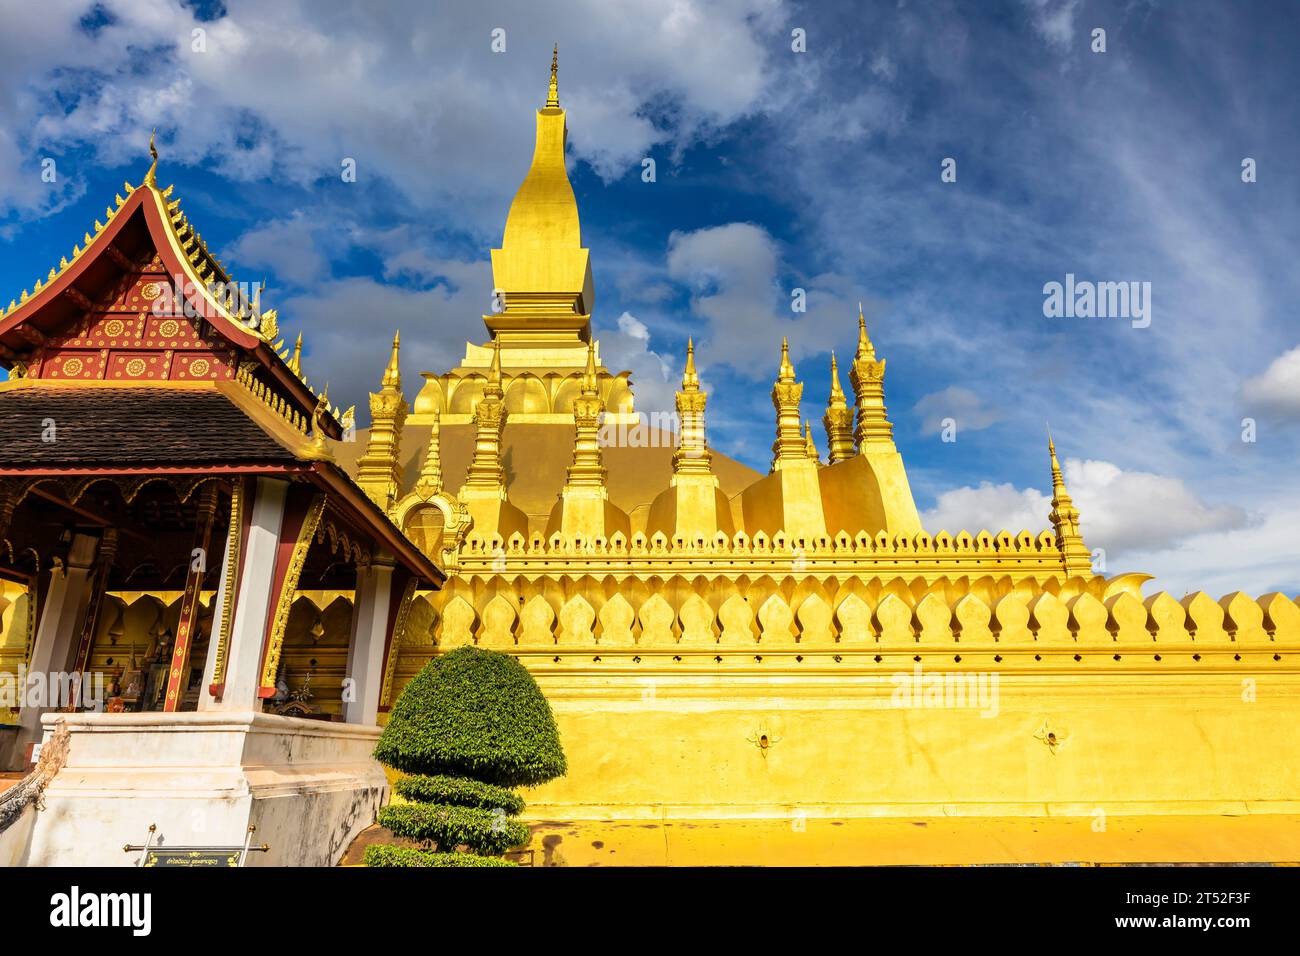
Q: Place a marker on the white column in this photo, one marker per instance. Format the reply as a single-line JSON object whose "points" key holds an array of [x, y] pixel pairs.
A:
{"points": [[252, 602], [63, 615], [371, 609]]}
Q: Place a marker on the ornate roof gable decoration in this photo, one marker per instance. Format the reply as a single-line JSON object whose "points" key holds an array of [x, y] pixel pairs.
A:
{"points": [[138, 294]]}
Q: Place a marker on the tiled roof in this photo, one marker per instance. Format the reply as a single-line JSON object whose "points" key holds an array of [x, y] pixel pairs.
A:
{"points": [[87, 426]]}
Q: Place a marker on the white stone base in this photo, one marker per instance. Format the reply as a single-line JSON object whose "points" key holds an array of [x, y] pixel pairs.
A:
{"points": [[309, 787]]}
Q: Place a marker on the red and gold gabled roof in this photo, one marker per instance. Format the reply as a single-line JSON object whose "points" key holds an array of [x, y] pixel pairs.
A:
{"points": [[97, 317]]}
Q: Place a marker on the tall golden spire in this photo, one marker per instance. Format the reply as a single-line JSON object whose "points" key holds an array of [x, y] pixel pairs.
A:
{"points": [[1065, 520], [553, 91], [541, 269], [692, 455], [786, 395], [486, 470], [379, 471], [838, 420], [867, 376], [588, 469]]}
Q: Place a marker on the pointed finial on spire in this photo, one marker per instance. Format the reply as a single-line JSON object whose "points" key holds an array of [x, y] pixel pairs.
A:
{"points": [[589, 374], [837, 391], [865, 349], [151, 177], [1058, 480], [553, 92], [809, 445], [787, 370], [295, 363], [690, 379], [393, 373]]}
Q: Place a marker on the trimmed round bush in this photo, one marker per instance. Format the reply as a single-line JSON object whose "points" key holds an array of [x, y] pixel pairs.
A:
{"points": [[459, 792], [379, 854], [483, 831], [474, 713]]}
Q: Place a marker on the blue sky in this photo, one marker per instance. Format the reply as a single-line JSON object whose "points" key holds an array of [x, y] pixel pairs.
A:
{"points": [[775, 170]]}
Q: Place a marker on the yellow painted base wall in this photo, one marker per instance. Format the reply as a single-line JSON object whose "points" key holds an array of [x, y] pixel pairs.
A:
{"points": [[688, 747]]}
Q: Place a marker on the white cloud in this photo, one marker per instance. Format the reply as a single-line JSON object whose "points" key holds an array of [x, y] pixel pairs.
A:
{"points": [[286, 246], [1276, 390], [289, 89], [1053, 20], [965, 407], [627, 348], [732, 272], [1121, 511]]}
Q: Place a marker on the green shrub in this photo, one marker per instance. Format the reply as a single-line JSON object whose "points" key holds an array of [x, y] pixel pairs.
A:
{"points": [[459, 792], [483, 831], [474, 713], [379, 854]]}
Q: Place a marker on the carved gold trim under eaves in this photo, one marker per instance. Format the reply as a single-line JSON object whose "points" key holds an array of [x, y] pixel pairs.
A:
{"points": [[234, 545], [289, 588], [399, 634]]}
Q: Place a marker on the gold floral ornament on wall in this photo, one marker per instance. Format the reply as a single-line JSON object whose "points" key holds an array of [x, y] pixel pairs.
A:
{"points": [[1051, 735]]}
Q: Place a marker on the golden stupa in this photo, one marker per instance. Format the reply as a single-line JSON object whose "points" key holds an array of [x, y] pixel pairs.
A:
{"points": [[721, 645]]}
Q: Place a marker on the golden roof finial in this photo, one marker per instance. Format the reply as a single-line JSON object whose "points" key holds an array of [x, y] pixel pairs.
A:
{"points": [[809, 444], [690, 380], [553, 91], [787, 370], [393, 373], [295, 363], [151, 177]]}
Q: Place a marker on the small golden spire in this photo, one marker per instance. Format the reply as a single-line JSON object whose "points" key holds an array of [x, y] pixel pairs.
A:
{"points": [[553, 91], [809, 444], [786, 395], [430, 480], [151, 177], [838, 420], [393, 374], [1065, 520], [295, 363]]}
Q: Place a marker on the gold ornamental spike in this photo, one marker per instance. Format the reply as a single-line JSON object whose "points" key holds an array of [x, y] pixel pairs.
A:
{"points": [[51, 276], [119, 200], [168, 191], [86, 239], [63, 263], [690, 379], [36, 288], [128, 187], [150, 178], [552, 91], [99, 227], [108, 213]]}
